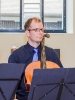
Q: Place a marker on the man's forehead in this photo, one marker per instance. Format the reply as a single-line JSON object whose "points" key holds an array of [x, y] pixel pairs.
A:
{"points": [[36, 23]]}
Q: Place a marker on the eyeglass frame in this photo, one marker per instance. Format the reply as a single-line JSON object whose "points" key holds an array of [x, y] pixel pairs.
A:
{"points": [[37, 29]]}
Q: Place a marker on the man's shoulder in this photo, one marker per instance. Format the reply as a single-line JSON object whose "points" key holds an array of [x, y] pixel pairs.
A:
{"points": [[50, 51], [49, 48], [19, 51], [21, 48], [18, 55]]}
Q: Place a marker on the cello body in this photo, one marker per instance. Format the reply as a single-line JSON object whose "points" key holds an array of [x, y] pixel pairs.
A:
{"points": [[36, 65]]}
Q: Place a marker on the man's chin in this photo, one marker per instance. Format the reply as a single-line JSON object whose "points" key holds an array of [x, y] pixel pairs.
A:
{"points": [[39, 40]]}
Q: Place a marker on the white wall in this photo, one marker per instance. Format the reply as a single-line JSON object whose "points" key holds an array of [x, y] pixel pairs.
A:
{"points": [[66, 42]]}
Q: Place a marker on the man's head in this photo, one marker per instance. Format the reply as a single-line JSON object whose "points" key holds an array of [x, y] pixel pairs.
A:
{"points": [[34, 30], [29, 21]]}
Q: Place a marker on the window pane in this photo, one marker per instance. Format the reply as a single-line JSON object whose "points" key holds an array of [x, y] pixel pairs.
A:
{"points": [[31, 9], [31, 1], [9, 14], [53, 14]]}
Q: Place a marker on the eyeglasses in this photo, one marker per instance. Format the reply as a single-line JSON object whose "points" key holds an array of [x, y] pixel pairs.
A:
{"points": [[37, 30]]}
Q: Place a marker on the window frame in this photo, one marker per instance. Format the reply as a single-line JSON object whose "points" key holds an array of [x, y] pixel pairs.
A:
{"points": [[42, 17], [64, 19]]}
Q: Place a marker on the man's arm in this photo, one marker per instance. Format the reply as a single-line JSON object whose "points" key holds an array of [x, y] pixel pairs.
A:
{"points": [[13, 58], [57, 59], [51, 55]]}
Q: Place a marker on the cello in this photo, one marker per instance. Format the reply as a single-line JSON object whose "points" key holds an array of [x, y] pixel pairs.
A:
{"points": [[38, 64]]}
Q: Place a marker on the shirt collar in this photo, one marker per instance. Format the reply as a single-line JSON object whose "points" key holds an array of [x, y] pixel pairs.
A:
{"points": [[30, 48]]}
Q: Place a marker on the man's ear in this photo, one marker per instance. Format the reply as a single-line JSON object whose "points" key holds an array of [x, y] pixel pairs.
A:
{"points": [[27, 33]]}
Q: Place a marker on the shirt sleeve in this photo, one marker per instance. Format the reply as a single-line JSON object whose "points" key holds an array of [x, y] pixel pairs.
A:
{"points": [[57, 59], [51, 55], [13, 58]]}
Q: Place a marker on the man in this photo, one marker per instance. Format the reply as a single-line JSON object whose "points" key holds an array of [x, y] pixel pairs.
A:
{"points": [[34, 31]]}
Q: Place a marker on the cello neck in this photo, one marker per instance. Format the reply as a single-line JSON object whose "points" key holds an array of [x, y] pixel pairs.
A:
{"points": [[43, 53]]}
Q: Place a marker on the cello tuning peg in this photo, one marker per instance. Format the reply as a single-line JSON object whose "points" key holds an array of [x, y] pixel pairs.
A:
{"points": [[47, 35]]}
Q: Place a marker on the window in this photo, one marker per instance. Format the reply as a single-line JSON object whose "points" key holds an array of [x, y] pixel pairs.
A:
{"points": [[54, 15], [9, 15], [31, 8], [13, 14]]}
